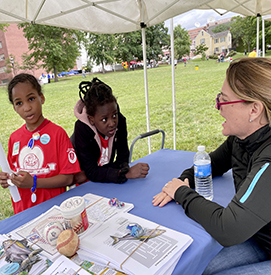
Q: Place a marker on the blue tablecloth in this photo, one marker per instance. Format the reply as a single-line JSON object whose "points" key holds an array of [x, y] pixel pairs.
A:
{"points": [[164, 164]]}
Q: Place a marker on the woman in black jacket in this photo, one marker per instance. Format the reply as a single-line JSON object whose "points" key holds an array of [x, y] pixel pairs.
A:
{"points": [[244, 226]]}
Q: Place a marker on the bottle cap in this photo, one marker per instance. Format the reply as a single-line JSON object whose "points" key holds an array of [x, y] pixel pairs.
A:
{"points": [[201, 148]]}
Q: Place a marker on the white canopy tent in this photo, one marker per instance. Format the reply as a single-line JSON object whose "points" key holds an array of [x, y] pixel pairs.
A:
{"points": [[117, 16]]}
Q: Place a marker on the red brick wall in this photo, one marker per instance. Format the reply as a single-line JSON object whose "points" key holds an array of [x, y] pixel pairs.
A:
{"points": [[15, 44]]}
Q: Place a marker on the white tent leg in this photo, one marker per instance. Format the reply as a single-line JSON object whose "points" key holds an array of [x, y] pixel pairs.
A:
{"points": [[263, 36], [173, 82], [146, 84], [258, 30]]}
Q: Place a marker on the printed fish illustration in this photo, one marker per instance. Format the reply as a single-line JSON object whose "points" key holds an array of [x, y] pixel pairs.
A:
{"points": [[147, 235], [18, 252]]}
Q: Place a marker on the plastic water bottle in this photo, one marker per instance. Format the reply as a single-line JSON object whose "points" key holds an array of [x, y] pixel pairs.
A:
{"points": [[203, 173]]}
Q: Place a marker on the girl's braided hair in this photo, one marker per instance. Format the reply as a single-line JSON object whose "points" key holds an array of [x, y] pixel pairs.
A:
{"points": [[95, 93]]}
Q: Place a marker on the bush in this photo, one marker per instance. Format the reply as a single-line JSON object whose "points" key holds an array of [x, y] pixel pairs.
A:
{"points": [[213, 56], [231, 53]]}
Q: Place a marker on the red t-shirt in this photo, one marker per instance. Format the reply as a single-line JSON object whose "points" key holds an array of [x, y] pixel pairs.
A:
{"points": [[104, 157], [52, 154]]}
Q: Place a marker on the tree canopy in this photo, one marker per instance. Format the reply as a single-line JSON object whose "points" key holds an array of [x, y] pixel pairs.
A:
{"points": [[200, 49], [181, 42], [221, 27], [156, 39], [54, 48], [101, 48], [244, 31]]}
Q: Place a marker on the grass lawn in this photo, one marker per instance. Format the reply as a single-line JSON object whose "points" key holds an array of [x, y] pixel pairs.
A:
{"points": [[197, 120]]}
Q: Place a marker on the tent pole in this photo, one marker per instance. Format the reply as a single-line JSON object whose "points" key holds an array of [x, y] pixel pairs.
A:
{"points": [[173, 82], [258, 30], [146, 82], [263, 37]]}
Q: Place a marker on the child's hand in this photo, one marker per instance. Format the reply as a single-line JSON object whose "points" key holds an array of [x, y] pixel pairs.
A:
{"points": [[140, 170], [80, 177], [22, 179], [3, 179]]}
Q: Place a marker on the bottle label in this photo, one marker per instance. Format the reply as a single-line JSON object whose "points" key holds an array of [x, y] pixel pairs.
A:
{"points": [[202, 171]]}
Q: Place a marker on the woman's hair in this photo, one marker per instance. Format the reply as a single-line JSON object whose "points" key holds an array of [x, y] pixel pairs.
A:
{"points": [[95, 93], [250, 79], [22, 78]]}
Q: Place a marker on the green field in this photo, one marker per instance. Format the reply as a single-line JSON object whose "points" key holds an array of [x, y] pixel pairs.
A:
{"points": [[197, 120]]}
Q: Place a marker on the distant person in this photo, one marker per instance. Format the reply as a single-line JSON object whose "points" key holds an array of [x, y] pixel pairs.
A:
{"points": [[184, 60], [84, 73], [253, 53], [245, 53], [222, 56], [48, 77], [39, 152], [175, 63], [100, 135]]}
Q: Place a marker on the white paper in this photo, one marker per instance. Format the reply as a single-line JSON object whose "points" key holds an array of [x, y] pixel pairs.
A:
{"points": [[152, 257], [63, 265], [6, 168]]}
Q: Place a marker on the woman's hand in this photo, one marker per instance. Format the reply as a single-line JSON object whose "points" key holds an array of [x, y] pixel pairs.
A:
{"points": [[168, 192], [161, 199], [171, 187], [139, 170]]}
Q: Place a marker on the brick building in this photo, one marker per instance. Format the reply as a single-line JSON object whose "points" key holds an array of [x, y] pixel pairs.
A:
{"points": [[13, 43]]}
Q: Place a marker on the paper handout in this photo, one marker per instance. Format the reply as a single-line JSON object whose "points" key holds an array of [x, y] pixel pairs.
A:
{"points": [[134, 255], [6, 168]]}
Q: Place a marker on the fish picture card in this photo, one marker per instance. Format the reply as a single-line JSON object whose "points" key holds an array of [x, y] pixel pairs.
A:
{"points": [[17, 257], [156, 253]]}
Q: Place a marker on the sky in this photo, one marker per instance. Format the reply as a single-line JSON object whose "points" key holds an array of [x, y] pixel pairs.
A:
{"points": [[189, 19]]}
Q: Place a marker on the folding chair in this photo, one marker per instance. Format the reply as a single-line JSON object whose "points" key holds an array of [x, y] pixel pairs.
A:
{"points": [[144, 135]]}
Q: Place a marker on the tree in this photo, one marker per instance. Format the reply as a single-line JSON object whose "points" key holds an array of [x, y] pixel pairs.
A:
{"points": [[11, 65], [3, 27], [29, 63], [157, 38], [221, 27], [181, 42], [200, 49], [54, 48], [129, 46], [101, 48], [243, 30]]}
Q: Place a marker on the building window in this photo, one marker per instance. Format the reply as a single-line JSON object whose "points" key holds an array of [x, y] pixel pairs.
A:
{"points": [[222, 39], [2, 57], [1, 45], [216, 40], [202, 41], [202, 33], [2, 70], [4, 81], [217, 49]]}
